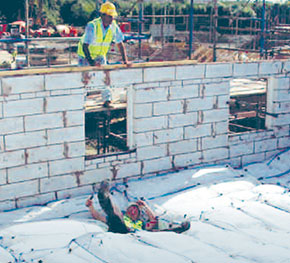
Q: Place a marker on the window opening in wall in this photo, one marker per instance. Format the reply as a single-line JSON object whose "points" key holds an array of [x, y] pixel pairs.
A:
{"points": [[247, 105], [106, 125]]}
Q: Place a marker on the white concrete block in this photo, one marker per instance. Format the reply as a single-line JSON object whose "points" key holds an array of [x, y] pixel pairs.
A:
{"points": [[245, 69], [66, 166], [12, 191], [1, 110], [24, 96], [56, 183], [27, 172], [74, 118], [190, 71], [221, 127], [168, 107], [42, 94], [126, 76], [152, 152], [151, 95], [212, 89], [243, 148], [3, 176], [168, 135], [159, 74], [61, 92], [200, 130], [150, 124], [23, 107], [45, 153], [214, 142], [218, 70], [215, 115], [64, 103], [143, 110], [205, 103], [147, 85], [184, 160], [95, 176], [183, 92], [266, 145], [180, 120], [143, 139], [93, 78], [128, 169], [63, 81], [76, 149], [270, 67], [25, 140], [23, 84], [1, 144], [283, 119], [75, 192], [223, 101], [250, 158], [43, 121], [186, 146], [284, 142], [279, 107], [281, 96], [7, 205], [70, 134], [10, 159], [11, 125], [40, 199], [157, 165], [215, 154]]}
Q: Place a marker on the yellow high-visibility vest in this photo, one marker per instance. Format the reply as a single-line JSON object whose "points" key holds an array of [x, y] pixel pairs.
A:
{"points": [[102, 44], [132, 225]]}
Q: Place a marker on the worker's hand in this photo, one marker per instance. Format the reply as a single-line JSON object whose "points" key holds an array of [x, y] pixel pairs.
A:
{"points": [[141, 203], [89, 203]]}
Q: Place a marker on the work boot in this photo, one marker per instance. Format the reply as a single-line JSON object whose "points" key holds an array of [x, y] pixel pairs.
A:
{"points": [[104, 197]]}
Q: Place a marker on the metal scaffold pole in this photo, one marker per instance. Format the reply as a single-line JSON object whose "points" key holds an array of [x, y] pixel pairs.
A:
{"points": [[262, 39], [190, 29], [27, 32]]}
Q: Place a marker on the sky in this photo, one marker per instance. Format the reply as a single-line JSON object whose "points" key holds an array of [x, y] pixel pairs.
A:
{"points": [[237, 215]]}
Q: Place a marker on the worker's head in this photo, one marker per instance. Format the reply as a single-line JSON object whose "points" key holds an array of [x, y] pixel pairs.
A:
{"points": [[108, 12], [133, 211]]}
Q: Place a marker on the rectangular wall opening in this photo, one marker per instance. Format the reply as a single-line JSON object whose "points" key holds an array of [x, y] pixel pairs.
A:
{"points": [[247, 105]]}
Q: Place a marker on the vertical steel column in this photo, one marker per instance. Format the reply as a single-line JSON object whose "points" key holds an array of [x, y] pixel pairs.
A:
{"points": [[262, 39], [140, 29], [190, 29], [215, 24], [27, 32]]}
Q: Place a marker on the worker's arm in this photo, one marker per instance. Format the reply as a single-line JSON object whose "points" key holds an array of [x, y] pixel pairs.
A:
{"points": [[87, 54], [95, 214], [123, 52]]}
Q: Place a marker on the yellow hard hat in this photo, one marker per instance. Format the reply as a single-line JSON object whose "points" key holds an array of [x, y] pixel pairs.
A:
{"points": [[109, 9]]}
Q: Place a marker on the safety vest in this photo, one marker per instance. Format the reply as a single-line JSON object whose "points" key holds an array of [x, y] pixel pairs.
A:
{"points": [[132, 225], [102, 44]]}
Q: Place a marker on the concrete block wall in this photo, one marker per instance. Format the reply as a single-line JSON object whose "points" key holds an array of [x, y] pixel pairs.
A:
{"points": [[178, 118]]}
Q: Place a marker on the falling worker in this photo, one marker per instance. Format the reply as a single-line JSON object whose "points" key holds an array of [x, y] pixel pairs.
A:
{"points": [[97, 39]]}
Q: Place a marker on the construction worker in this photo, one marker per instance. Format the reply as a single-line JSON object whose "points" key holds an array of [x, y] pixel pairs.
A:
{"points": [[99, 34]]}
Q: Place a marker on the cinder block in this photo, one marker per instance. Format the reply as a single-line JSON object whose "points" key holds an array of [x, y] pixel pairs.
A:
{"points": [[281, 107], [198, 104], [168, 135], [57, 183], [184, 160], [27, 172], [181, 120], [270, 67], [95, 176], [156, 165], [214, 89], [7, 205], [63, 81], [143, 110], [250, 158], [215, 115], [11, 125], [3, 176], [146, 85], [151, 95], [40, 199], [159, 74], [283, 119], [75, 192], [150, 124], [45, 153], [74, 118], [126, 76], [200, 130], [64, 103], [128, 169], [93, 78], [25, 140], [285, 66], [281, 96], [17, 190], [243, 148], [284, 142], [183, 92], [70, 134], [168, 107], [266, 145], [76, 149], [221, 127], [152, 152], [23, 107], [143, 139], [218, 70], [42, 94], [62, 92], [24, 96], [190, 71], [186, 146], [43, 121], [245, 69], [10, 159], [66, 166], [1, 144], [215, 154], [23, 84], [223, 101], [214, 142]]}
